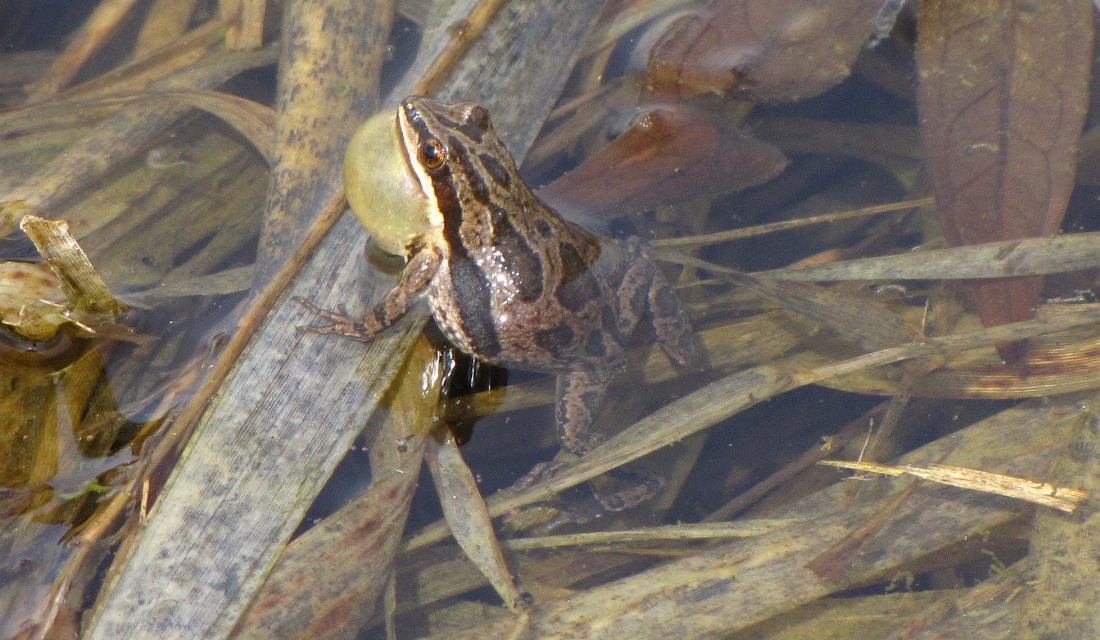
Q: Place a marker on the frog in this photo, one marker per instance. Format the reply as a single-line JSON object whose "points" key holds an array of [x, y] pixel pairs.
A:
{"points": [[508, 280]]}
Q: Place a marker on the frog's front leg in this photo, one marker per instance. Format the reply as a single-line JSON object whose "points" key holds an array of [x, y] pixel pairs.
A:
{"points": [[415, 279]]}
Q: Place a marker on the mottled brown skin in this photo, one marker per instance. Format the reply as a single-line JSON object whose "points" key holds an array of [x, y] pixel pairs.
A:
{"points": [[511, 282]]}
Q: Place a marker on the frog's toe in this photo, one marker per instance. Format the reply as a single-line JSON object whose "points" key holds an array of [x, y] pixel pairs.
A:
{"points": [[339, 322]]}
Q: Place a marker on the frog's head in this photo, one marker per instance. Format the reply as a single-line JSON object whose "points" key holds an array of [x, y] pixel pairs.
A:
{"points": [[434, 162], [458, 159]]}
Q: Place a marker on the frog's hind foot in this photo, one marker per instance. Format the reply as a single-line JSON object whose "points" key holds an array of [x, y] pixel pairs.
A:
{"points": [[578, 398], [644, 485]]}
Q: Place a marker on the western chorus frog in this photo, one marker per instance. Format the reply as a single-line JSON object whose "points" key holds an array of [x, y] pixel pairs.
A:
{"points": [[507, 279]]}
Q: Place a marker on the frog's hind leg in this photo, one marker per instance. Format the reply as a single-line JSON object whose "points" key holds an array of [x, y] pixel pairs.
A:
{"points": [[670, 321], [632, 290], [644, 291], [578, 398]]}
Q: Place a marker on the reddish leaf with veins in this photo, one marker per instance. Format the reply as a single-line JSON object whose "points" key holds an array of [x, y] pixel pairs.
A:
{"points": [[670, 154], [1003, 94], [767, 50]]}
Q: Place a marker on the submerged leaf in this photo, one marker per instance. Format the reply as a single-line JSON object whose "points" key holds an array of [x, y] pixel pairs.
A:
{"points": [[669, 155], [469, 519], [1003, 95], [766, 49]]}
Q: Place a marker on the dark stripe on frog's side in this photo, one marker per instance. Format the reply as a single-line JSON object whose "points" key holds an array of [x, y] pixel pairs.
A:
{"points": [[471, 295], [496, 170], [472, 173], [524, 264], [578, 285]]}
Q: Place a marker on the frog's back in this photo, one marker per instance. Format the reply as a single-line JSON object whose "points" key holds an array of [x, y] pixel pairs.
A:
{"points": [[529, 290]]}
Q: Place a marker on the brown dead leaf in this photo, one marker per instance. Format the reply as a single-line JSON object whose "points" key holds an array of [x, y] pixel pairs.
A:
{"points": [[766, 50], [1062, 498], [1003, 94], [669, 155]]}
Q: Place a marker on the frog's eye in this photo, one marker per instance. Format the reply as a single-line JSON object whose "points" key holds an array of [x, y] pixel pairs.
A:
{"points": [[432, 154], [478, 116]]}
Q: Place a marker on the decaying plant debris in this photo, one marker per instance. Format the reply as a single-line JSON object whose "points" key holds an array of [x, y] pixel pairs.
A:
{"points": [[857, 200]]}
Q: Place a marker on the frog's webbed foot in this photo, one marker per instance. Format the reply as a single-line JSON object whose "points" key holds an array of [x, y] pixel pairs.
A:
{"points": [[643, 486], [339, 322]]}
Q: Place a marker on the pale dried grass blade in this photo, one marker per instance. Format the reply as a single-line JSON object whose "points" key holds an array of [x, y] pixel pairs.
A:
{"points": [[246, 23], [92, 35], [166, 21], [785, 225], [469, 519], [1009, 258], [1063, 498], [678, 532]]}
